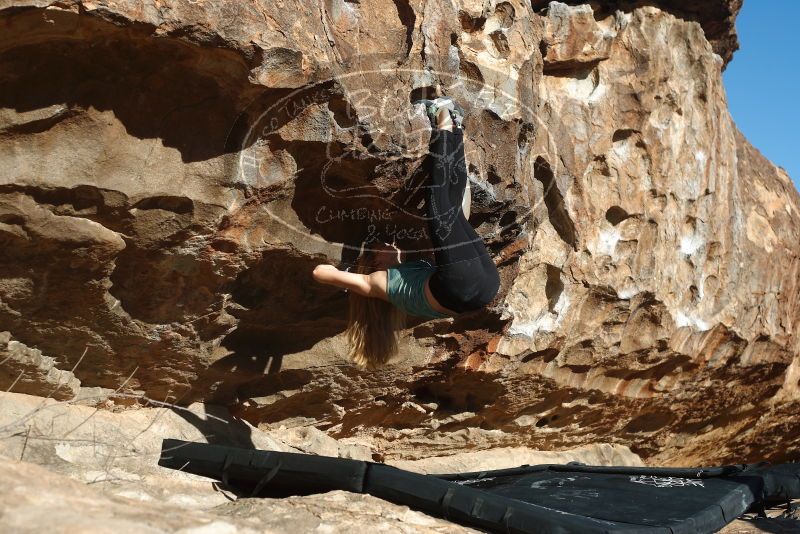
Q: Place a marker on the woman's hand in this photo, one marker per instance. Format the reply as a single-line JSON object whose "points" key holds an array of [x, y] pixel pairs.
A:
{"points": [[322, 272]]}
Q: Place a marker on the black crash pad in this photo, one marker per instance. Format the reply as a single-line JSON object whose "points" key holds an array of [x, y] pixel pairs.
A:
{"points": [[548, 498]]}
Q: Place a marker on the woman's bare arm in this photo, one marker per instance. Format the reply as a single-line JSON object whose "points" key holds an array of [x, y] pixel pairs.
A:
{"points": [[367, 285]]}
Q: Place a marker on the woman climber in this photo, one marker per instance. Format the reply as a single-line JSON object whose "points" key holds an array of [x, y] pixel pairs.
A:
{"points": [[383, 288]]}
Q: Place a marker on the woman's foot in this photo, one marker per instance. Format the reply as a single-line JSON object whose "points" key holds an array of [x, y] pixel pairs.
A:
{"points": [[443, 120], [432, 108], [455, 110]]}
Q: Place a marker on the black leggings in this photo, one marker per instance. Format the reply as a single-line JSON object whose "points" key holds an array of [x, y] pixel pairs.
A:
{"points": [[466, 277]]}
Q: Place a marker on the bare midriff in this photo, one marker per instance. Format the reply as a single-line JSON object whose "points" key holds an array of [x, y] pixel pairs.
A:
{"points": [[433, 302]]}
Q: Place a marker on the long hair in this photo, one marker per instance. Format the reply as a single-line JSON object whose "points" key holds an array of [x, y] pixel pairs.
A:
{"points": [[373, 325]]}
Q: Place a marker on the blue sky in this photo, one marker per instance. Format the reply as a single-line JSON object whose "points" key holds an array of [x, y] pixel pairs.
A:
{"points": [[763, 80]]}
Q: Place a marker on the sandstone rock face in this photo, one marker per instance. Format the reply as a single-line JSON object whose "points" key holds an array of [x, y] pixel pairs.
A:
{"points": [[717, 17], [174, 171], [27, 370]]}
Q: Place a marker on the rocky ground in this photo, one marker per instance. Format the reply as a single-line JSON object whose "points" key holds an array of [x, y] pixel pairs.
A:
{"points": [[95, 470]]}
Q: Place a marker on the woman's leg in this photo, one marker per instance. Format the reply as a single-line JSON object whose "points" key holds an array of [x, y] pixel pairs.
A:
{"points": [[453, 241], [466, 277]]}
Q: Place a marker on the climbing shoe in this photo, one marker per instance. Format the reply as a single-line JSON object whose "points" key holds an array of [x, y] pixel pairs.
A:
{"points": [[432, 108]]}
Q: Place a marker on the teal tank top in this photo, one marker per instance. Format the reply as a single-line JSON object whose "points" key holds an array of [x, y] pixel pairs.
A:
{"points": [[405, 287]]}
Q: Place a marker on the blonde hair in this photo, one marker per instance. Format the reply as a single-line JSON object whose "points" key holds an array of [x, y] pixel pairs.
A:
{"points": [[373, 324]]}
